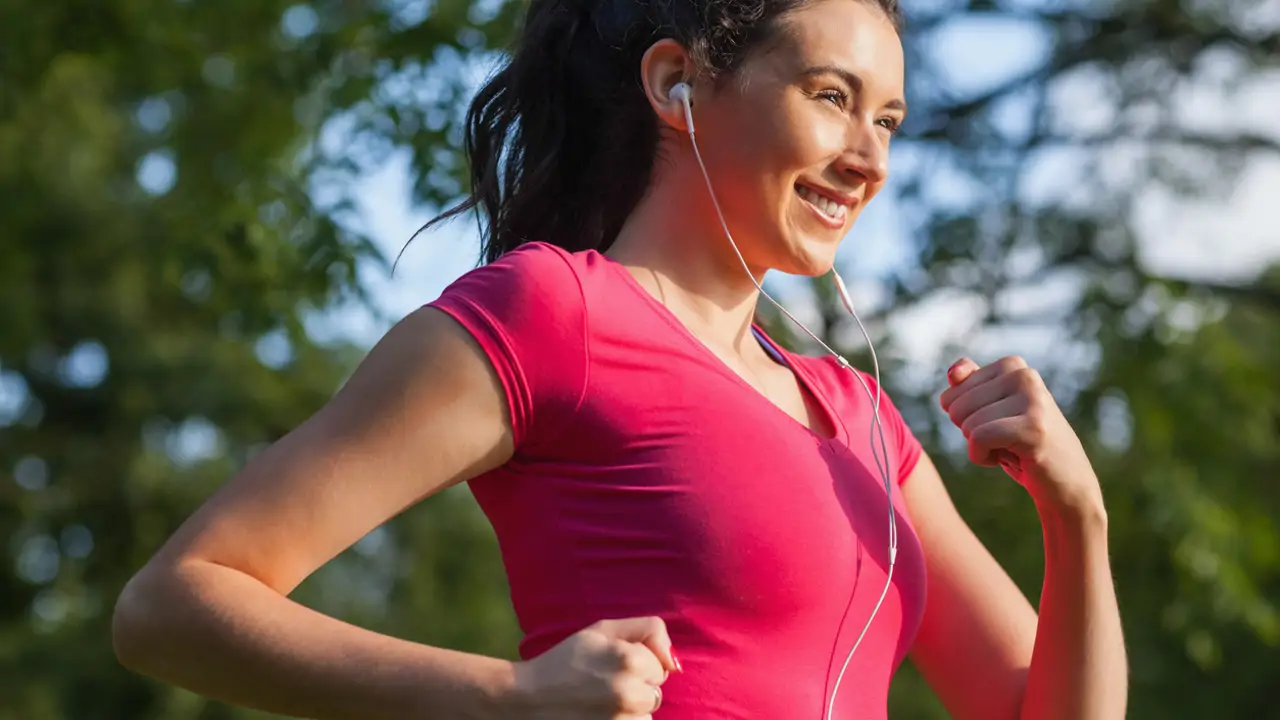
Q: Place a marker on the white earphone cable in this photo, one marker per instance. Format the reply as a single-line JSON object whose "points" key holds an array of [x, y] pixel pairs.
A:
{"points": [[879, 453]]}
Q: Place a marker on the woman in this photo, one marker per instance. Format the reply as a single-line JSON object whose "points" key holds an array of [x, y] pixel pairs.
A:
{"points": [[658, 472]]}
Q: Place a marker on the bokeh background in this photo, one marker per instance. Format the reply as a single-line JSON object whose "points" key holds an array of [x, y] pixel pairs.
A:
{"points": [[199, 202]]}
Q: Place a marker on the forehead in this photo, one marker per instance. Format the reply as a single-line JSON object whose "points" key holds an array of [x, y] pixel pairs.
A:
{"points": [[851, 34]]}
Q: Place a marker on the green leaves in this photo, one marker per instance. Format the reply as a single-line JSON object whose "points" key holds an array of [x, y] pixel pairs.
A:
{"points": [[173, 188], [158, 179]]}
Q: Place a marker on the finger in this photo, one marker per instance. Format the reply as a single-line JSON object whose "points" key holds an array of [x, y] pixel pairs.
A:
{"points": [[648, 631], [990, 441], [1009, 461], [977, 397], [996, 369], [638, 697], [639, 661], [979, 455], [993, 458], [1002, 458], [960, 370], [991, 449], [1009, 406]]}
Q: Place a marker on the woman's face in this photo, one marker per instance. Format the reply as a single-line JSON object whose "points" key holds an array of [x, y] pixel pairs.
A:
{"points": [[798, 142]]}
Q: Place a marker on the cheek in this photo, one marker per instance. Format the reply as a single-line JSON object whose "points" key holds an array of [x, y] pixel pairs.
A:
{"points": [[744, 147], [813, 132], [786, 139], [820, 141]]}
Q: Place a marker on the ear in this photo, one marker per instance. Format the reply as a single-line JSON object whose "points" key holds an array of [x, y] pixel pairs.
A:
{"points": [[664, 64]]}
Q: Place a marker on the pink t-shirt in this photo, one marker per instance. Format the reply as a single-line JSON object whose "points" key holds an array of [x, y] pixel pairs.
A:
{"points": [[649, 479]]}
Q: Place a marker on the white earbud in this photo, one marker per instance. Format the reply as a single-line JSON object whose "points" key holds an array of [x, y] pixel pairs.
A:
{"points": [[684, 93], [879, 451]]}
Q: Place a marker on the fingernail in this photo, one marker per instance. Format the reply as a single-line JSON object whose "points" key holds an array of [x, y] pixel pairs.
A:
{"points": [[676, 661]]}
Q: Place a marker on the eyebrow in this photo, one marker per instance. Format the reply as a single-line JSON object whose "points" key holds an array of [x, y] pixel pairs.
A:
{"points": [[852, 80]]}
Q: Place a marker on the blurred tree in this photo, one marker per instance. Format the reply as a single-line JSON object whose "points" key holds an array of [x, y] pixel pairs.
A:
{"points": [[1181, 420], [172, 183], [173, 178], [1031, 197]]}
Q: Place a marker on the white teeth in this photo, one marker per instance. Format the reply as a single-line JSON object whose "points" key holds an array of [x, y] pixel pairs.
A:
{"points": [[830, 208]]}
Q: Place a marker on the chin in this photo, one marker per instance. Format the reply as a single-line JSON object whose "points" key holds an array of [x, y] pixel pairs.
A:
{"points": [[808, 248], [808, 255]]}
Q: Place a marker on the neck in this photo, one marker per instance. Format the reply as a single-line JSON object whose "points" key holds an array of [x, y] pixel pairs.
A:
{"points": [[689, 266]]}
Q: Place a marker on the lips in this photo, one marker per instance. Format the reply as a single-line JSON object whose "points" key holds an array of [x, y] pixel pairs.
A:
{"points": [[827, 208]]}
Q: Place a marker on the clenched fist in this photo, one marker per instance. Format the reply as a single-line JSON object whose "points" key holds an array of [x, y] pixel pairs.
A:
{"points": [[1010, 419], [612, 670]]}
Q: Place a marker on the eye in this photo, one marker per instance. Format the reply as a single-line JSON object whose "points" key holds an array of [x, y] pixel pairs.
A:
{"points": [[890, 123], [836, 97]]}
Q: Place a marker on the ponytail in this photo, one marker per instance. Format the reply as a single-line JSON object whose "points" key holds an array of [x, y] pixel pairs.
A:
{"points": [[561, 142]]}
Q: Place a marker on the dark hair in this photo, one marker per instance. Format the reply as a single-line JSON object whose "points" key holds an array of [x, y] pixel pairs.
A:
{"points": [[562, 141]]}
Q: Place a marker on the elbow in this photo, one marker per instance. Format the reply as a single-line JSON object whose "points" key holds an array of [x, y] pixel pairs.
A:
{"points": [[137, 622]]}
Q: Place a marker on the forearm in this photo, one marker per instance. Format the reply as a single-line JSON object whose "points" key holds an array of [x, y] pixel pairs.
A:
{"points": [[1078, 668], [223, 634]]}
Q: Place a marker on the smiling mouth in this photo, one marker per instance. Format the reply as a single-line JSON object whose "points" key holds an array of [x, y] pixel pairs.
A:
{"points": [[824, 206]]}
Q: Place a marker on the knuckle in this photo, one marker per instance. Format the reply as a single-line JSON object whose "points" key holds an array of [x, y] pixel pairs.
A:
{"points": [[593, 640], [1012, 362], [977, 437], [1037, 424], [629, 661], [1029, 379], [618, 650]]}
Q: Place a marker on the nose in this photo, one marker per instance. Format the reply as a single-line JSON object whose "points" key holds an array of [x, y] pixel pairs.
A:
{"points": [[866, 153]]}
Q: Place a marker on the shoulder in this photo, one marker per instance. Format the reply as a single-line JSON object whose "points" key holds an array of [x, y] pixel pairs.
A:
{"points": [[534, 290], [527, 313], [533, 272]]}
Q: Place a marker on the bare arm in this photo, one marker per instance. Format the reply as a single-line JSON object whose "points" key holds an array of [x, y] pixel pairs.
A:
{"points": [[975, 642], [981, 646], [1079, 669], [209, 612]]}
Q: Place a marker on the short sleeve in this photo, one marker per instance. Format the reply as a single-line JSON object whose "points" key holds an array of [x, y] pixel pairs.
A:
{"points": [[897, 432], [527, 313]]}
